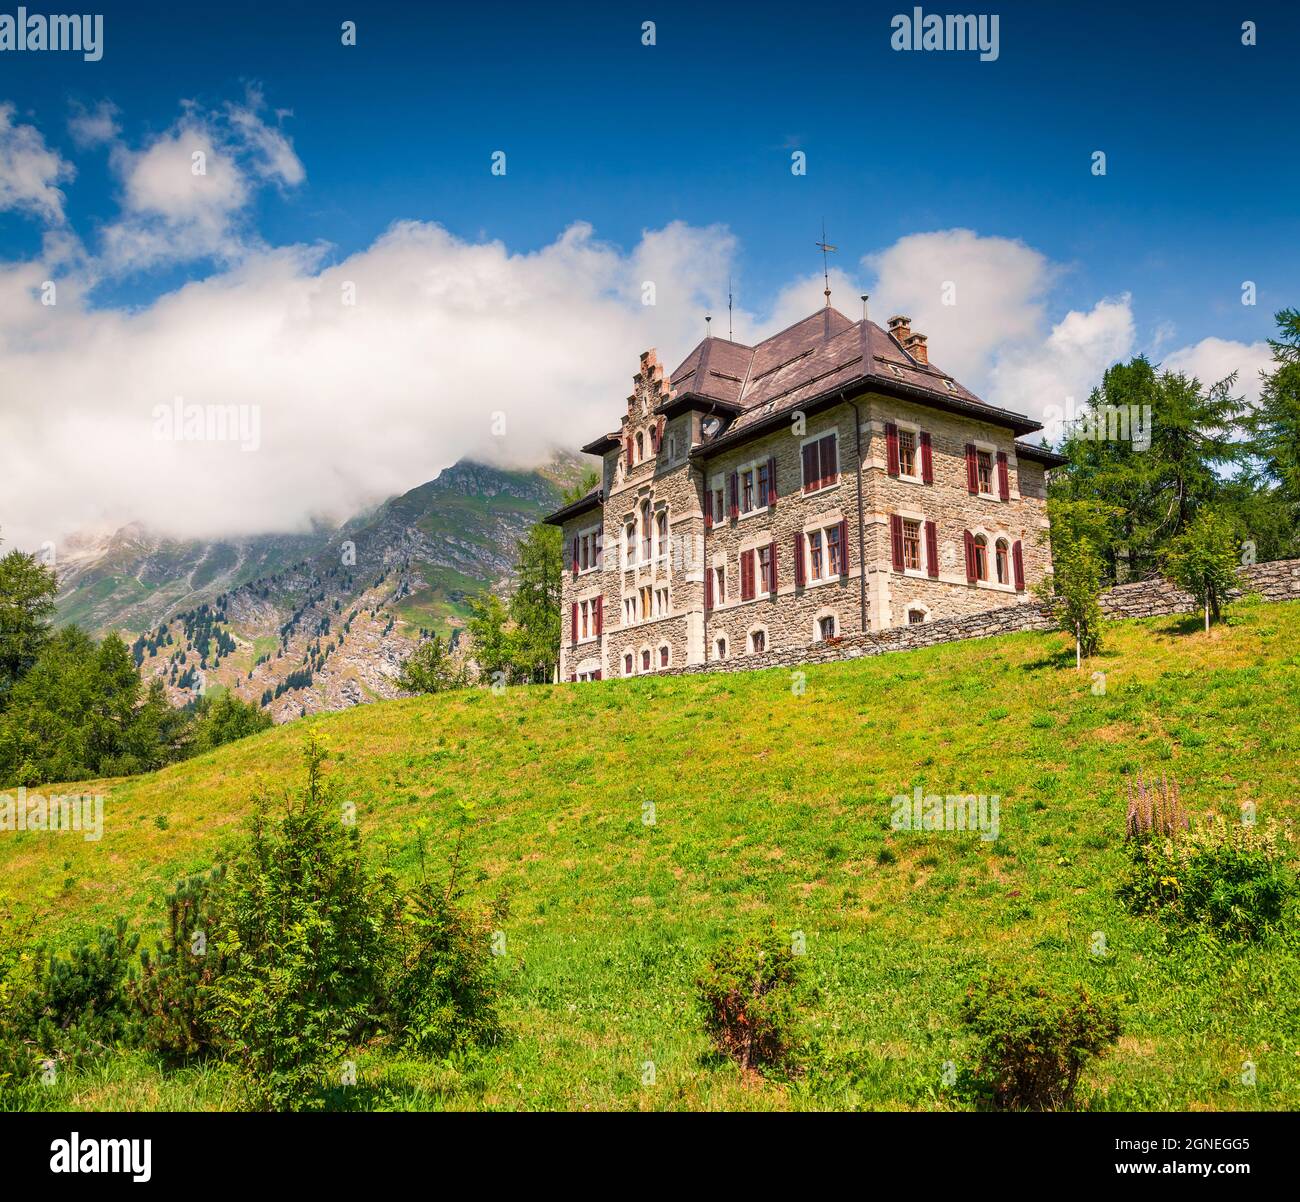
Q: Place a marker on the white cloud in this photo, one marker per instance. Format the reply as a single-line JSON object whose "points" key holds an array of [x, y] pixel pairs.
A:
{"points": [[354, 402], [998, 288], [186, 192], [93, 127], [1050, 375], [29, 170], [1214, 359]]}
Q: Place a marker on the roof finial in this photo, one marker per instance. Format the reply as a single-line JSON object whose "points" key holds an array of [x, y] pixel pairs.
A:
{"points": [[730, 338], [708, 327], [865, 295], [826, 248]]}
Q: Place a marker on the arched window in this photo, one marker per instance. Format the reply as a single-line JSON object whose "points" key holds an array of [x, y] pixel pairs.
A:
{"points": [[645, 660], [1001, 553], [640, 447], [661, 530], [720, 649], [627, 664], [663, 655], [645, 530], [758, 641], [981, 557]]}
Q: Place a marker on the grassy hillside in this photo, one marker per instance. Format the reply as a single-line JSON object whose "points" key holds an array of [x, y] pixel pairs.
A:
{"points": [[771, 804]]}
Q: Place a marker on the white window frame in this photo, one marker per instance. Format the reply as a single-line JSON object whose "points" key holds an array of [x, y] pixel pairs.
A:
{"points": [[587, 618], [839, 461], [752, 466], [916, 607], [992, 537], [821, 526], [992, 449], [718, 485], [720, 598], [918, 476], [725, 639], [592, 532], [749, 639], [915, 515]]}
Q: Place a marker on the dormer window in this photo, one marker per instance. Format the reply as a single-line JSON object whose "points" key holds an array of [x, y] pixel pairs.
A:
{"points": [[898, 371], [710, 426]]}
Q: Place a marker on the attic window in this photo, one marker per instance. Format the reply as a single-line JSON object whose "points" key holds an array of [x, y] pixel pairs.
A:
{"points": [[950, 386], [710, 426], [898, 371]]}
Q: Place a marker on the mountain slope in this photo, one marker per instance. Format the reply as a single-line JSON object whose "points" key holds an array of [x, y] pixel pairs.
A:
{"points": [[774, 805], [302, 623]]}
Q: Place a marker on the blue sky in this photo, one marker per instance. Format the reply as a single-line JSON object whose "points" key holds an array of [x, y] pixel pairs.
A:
{"points": [[1200, 192]]}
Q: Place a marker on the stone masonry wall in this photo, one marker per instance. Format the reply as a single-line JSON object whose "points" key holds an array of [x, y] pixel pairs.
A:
{"points": [[1276, 581]]}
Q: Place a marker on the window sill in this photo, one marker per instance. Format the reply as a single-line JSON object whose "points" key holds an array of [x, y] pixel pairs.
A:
{"points": [[816, 492], [753, 513], [818, 581]]}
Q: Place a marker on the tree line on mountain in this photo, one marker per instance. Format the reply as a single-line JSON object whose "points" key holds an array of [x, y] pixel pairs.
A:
{"points": [[72, 708]]}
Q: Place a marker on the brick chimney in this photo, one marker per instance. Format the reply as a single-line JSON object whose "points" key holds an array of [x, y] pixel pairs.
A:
{"points": [[900, 327], [914, 345]]}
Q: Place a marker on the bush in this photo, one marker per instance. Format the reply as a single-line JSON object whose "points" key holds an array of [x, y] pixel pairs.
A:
{"points": [[75, 1006], [1231, 877], [750, 994], [175, 991], [1032, 1045], [444, 992], [306, 927]]}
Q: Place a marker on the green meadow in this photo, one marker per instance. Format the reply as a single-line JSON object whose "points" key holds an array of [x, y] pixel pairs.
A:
{"points": [[633, 824]]}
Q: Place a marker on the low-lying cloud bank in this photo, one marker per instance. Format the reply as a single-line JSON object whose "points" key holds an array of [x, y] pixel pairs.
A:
{"points": [[342, 382]]}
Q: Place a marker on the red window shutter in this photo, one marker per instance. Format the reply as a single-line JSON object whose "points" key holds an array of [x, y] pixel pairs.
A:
{"points": [[771, 481], [830, 460], [575, 622], [798, 559], [596, 675], [1018, 560], [659, 435], [969, 538], [733, 496], [708, 588], [932, 550], [844, 548], [708, 509], [972, 470], [746, 575], [927, 459], [810, 466], [896, 540], [575, 556], [573, 677], [773, 575], [891, 448], [629, 451], [1004, 480], [600, 615]]}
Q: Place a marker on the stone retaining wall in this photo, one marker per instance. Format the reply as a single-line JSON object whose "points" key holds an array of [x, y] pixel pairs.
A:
{"points": [[1277, 581]]}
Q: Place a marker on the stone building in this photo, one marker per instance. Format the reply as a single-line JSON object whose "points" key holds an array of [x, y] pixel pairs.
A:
{"points": [[828, 481]]}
